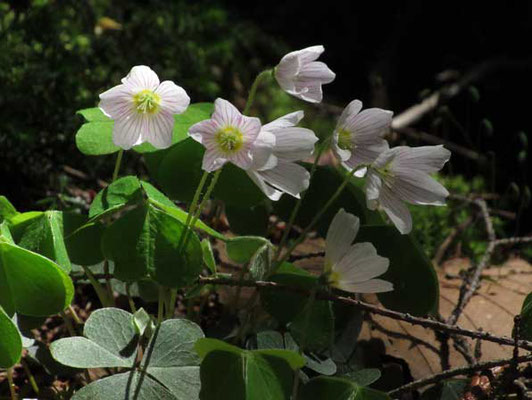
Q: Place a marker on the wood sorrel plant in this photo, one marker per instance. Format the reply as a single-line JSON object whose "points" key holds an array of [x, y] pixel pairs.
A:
{"points": [[136, 240]]}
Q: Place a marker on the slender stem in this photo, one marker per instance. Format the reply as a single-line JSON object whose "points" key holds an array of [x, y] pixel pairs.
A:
{"points": [[117, 164], [317, 217], [192, 211], [253, 90], [68, 324], [110, 295], [30, 376], [299, 201], [302, 345], [100, 291], [75, 316], [11, 384], [160, 309], [130, 299], [171, 304], [202, 204]]}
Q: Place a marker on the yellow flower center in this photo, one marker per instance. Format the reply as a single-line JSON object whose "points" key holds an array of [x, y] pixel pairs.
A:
{"points": [[333, 278], [146, 101], [229, 139], [344, 139]]}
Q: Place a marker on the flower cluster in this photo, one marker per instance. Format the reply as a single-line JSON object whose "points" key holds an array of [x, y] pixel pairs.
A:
{"points": [[143, 110]]}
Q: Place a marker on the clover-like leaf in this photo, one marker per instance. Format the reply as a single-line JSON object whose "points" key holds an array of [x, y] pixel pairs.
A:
{"points": [[31, 284], [146, 241], [247, 375], [11, 342], [110, 340], [242, 248]]}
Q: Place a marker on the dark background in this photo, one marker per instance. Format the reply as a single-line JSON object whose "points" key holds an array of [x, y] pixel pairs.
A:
{"points": [[388, 54]]}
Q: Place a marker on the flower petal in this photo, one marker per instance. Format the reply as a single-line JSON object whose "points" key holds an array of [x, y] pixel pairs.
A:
{"points": [[341, 233], [287, 177], [117, 102], [361, 263], [160, 128], [418, 187], [310, 92], [262, 152], [141, 77], [269, 191], [286, 121], [351, 110], [423, 158], [396, 210], [226, 114], [203, 131], [174, 99], [293, 144], [309, 54], [316, 71], [212, 160], [371, 286], [127, 132], [373, 187]]}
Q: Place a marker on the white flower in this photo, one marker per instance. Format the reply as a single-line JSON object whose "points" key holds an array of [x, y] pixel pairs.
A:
{"points": [[278, 145], [300, 75], [402, 174], [358, 136], [227, 136], [352, 267], [143, 108]]}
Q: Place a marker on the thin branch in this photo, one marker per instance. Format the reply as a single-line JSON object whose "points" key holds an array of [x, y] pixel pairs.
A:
{"points": [[436, 378], [425, 322]]}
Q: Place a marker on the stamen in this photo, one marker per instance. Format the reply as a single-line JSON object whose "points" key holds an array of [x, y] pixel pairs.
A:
{"points": [[147, 102], [344, 139], [229, 139]]}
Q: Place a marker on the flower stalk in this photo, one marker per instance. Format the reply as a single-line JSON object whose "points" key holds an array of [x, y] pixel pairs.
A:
{"points": [[253, 91]]}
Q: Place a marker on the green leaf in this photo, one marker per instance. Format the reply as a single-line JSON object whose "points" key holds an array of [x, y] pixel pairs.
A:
{"points": [[526, 318], [93, 115], [316, 330], [252, 220], [118, 194], [208, 256], [179, 172], [7, 210], [332, 388], [249, 375], [142, 320], [110, 341], [348, 324], [31, 284], [240, 249], [82, 239], [364, 377], [323, 185], [416, 289], [11, 343], [146, 242], [261, 263], [125, 386], [96, 138], [43, 234], [170, 361], [452, 389]]}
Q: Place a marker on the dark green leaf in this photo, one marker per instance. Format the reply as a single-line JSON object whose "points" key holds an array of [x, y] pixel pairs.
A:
{"points": [[240, 249], [11, 342], [416, 289], [82, 239], [252, 220], [452, 389], [364, 377], [526, 318], [332, 388], [121, 192]]}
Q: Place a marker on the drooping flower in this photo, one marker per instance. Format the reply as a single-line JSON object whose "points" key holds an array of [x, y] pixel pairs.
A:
{"points": [[299, 74], [227, 136], [352, 267], [401, 174], [358, 136], [143, 108], [279, 144]]}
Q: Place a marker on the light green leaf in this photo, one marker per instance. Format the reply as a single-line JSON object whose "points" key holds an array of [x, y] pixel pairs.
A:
{"points": [[261, 263], [11, 343], [96, 138], [142, 320], [7, 210], [146, 242], [93, 115], [125, 386], [31, 284], [118, 194], [332, 388], [110, 341], [416, 289], [240, 249]]}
